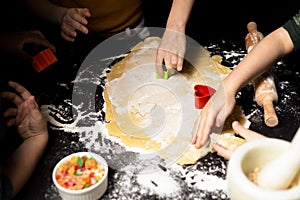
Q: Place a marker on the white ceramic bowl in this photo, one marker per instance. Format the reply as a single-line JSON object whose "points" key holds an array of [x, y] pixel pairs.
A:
{"points": [[249, 156], [92, 193]]}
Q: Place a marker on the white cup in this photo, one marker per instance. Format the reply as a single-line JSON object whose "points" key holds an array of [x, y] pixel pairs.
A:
{"points": [[245, 159]]}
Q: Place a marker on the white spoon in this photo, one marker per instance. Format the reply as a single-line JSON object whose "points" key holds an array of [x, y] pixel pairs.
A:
{"points": [[279, 173]]}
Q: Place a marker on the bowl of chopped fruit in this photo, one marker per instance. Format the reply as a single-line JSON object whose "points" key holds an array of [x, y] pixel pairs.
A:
{"points": [[81, 176]]}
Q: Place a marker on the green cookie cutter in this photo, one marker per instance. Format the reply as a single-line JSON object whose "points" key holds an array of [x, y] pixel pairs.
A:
{"points": [[167, 74]]}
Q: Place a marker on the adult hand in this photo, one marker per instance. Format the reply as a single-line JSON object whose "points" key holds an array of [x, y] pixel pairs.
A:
{"points": [[13, 43], [74, 19], [247, 134], [213, 115], [171, 51], [27, 117]]}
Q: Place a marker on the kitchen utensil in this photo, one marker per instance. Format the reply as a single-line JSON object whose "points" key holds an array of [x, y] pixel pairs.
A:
{"points": [[280, 172]]}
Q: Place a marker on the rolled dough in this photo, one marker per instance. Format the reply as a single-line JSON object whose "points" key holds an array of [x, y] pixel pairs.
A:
{"points": [[158, 115]]}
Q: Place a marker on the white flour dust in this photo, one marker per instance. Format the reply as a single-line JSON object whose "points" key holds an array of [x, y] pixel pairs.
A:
{"points": [[202, 180], [158, 182]]}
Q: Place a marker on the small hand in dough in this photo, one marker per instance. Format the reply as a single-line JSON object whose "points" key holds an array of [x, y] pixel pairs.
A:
{"points": [[213, 116], [247, 134], [171, 52], [74, 19]]}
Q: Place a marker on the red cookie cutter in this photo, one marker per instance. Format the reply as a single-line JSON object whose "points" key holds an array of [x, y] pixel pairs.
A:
{"points": [[202, 93], [43, 59]]}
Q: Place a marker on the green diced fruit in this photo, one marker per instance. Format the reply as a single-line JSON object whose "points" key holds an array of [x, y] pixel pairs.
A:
{"points": [[80, 162]]}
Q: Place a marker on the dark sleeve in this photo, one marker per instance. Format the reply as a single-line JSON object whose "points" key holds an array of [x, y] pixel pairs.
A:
{"points": [[293, 28], [5, 188]]}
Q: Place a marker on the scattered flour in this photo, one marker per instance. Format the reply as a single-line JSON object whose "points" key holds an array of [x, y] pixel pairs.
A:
{"points": [[158, 181], [201, 180]]}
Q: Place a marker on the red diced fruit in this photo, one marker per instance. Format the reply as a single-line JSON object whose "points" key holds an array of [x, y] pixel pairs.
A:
{"points": [[84, 158]]}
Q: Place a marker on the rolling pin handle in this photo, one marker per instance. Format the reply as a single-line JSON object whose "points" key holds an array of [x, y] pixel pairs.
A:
{"points": [[270, 116]]}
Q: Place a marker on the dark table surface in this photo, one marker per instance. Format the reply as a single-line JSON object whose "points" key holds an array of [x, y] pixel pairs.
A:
{"points": [[220, 27], [204, 180]]}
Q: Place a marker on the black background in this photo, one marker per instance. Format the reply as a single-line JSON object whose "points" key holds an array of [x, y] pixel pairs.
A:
{"points": [[210, 22], [215, 20]]}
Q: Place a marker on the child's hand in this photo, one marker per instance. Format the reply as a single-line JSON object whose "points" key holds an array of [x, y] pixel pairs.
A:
{"points": [[27, 117], [247, 134], [13, 43], [74, 19], [171, 51], [213, 116]]}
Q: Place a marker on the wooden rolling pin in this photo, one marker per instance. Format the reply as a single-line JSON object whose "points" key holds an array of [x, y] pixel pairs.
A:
{"points": [[266, 96], [264, 86]]}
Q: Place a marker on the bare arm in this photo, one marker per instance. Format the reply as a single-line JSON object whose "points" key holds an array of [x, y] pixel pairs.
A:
{"points": [[32, 127], [21, 164], [70, 19], [179, 15], [170, 52], [273, 47]]}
